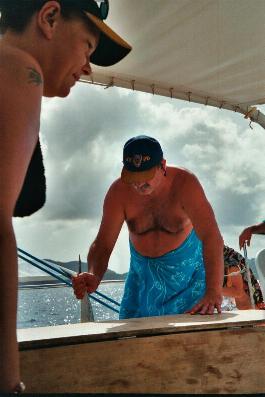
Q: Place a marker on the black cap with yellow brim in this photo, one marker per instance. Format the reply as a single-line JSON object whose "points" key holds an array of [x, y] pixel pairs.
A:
{"points": [[111, 47], [141, 156]]}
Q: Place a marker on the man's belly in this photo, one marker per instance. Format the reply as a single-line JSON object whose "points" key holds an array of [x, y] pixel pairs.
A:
{"points": [[159, 242]]}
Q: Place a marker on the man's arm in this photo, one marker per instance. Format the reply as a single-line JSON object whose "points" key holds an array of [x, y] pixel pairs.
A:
{"points": [[246, 235], [202, 217], [234, 286], [101, 249], [19, 124]]}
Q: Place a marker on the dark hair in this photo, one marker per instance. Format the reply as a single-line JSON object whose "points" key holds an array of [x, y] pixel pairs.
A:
{"points": [[16, 14]]}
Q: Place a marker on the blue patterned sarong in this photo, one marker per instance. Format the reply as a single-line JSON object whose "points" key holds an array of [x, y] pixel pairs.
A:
{"points": [[169, 284]]}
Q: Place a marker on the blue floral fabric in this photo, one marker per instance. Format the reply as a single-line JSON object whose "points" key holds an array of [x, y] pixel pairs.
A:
{"points": [[169, 284]]}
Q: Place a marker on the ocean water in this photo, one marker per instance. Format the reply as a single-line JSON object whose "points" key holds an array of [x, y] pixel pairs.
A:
{"points": [[41, 307]]}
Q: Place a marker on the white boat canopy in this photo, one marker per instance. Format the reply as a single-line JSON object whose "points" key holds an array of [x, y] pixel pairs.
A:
{"points": [[205, 51]]}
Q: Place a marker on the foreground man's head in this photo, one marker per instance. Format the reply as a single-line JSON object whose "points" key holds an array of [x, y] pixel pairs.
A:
{"points": [[64, 36]]}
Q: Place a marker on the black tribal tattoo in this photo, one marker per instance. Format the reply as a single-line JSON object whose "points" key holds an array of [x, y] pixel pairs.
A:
{"points": [[34, 77]]}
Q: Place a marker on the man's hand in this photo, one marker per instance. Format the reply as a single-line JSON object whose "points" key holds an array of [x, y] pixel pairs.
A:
{"points": [[84, 282], [211, 300], [245, 237]]}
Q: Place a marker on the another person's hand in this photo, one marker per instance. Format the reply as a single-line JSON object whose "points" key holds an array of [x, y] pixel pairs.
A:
{"points": [[84, 282], [245, 237], [212, 300]]}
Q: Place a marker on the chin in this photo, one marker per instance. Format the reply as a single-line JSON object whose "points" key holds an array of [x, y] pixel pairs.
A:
{"points": [[61, 92]]}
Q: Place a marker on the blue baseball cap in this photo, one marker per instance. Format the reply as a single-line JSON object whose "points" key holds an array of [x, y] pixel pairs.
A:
{"points": [[141, 155]]}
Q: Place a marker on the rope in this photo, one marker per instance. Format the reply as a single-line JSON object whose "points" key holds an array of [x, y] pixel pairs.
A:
{"points": [[250, 112], [45, 270], [103, 303], [106, 297], [43, 265], [67, 273]]}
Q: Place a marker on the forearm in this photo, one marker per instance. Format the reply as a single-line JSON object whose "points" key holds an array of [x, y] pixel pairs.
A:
{"points": [[213, 261], [97, 260], [258, 229], [9, 362]]}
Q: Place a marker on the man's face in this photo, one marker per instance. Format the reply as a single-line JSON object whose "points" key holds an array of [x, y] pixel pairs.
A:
{"points": [[148, 187], [74, 43]]}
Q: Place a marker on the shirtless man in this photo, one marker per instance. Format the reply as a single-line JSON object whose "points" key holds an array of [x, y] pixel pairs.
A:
{"points": [[46, 46], [246, 235], [176, 247]]}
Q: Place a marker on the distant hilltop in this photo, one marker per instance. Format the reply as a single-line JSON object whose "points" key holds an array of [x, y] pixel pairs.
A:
{"points": [[29, 274]]}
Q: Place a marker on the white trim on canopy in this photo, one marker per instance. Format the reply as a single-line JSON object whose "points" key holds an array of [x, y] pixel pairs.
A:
{"points": [[205, 51]]}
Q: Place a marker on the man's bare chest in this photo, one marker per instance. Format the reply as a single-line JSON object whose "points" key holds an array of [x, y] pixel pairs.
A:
{"points": [[159, 215]]}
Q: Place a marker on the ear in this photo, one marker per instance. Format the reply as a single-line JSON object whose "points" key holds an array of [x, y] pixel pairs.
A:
{"points": [[48, 17], [163, 164]]}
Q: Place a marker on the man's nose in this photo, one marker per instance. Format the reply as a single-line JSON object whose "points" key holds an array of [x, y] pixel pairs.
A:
{"points": [[87, 70]]}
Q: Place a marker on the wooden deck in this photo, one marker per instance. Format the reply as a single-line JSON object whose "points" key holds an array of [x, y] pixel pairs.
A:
{"points": [[172, 354]]}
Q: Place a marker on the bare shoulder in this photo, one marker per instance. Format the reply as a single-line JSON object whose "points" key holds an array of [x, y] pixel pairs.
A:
{"points": [[114, 201], [115, 190], [119, 187], [21, 91], [182, 177], [117, 193], [116, 186], [19, 67]]}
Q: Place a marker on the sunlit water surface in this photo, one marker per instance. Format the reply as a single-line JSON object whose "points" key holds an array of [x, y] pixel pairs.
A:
{"points": [[40, 307]]}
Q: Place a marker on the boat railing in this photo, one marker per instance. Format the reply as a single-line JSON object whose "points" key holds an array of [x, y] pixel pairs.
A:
{"points": [[64, 276]]}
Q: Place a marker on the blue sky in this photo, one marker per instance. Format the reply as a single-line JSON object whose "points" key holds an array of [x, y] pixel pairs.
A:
{"points": [[82, 138]]}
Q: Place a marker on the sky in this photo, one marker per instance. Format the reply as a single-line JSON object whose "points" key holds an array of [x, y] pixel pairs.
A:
{"points": [[82, 139]]}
